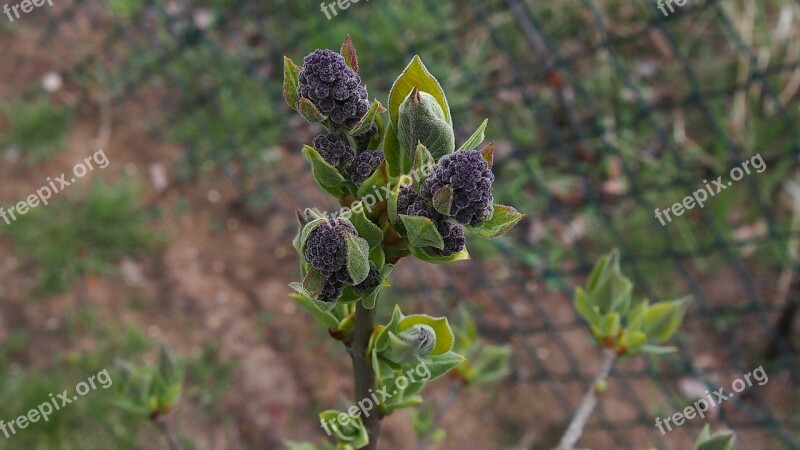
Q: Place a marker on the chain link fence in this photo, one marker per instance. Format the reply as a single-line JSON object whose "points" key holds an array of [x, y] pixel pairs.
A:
{"points": [[603, 112]]}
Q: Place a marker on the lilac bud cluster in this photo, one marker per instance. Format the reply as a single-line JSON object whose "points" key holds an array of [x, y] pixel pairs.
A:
{"points": [[326, 251], [364, 164], [409, 202], [333, 87], [470, 178]]}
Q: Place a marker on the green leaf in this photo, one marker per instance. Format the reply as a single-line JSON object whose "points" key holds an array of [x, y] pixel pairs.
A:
{"points": [[663, 319], [476, 139], [391, 202], [365, 228], [381, 342], [503, 219], [636, 317], [608, 288], [293, 445], [320, 305], [383, 370], [353, 435], [415, 75], [441, 364], [722, 440], [413, 388], [421, 232], [610, 324], [306, 232], [369, 300], [379, 178], [167, 366], [291, 82], [378, 257], [634, 340], [309, 111], [422, 255], [314, 282], [366, 122], [325, 317], [378, 138], [656, 349], [585, 308], [598, 270], [392, 405], [349, 52], [357, 258], [719, 442], [491, 364], [422, 419], [443, 200], [705, 433], [396, 157], [325, 174], [423, 163]]}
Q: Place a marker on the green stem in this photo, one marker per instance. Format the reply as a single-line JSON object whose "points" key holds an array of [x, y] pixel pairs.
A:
{"points": [[363, 374]]}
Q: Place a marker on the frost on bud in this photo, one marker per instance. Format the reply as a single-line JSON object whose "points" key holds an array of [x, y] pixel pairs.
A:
{"points": [[421, 119], [412, 344]]}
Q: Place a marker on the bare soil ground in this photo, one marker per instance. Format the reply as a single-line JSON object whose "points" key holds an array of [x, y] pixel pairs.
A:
{"points": [[222, 278]]}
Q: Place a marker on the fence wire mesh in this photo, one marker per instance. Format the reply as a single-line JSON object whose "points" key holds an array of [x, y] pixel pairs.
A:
{"points": [[602, 111]]}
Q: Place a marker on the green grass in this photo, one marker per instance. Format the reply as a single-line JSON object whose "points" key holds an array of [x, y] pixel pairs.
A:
{"points": [[85, 232], [94, 422], [37, 127], [89, 423]]}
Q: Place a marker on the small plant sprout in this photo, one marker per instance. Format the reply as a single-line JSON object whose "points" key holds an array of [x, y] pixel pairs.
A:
{"points": [[152, 391], [405, 191], [621, 327]]}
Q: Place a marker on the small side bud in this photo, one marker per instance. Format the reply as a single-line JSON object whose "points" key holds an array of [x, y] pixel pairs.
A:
{"points": [[422, 120], [413, 343]]}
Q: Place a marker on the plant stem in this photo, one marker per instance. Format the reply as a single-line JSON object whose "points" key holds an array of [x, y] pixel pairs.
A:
{"points": [[575, 429], [165, 429], [363, 374]]}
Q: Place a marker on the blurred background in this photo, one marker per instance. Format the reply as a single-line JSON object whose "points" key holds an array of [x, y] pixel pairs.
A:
{"points": [[601, 111]]}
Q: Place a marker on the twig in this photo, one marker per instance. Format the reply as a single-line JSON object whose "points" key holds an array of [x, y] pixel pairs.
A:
{"points": [[575, 429], [363, 374], [441, 409], [165, 429], [104, 110]]}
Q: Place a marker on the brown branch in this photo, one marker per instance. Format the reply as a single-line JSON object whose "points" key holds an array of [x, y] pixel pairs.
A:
{"points": [[589, 402], [166, 430], [363, 374]]}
